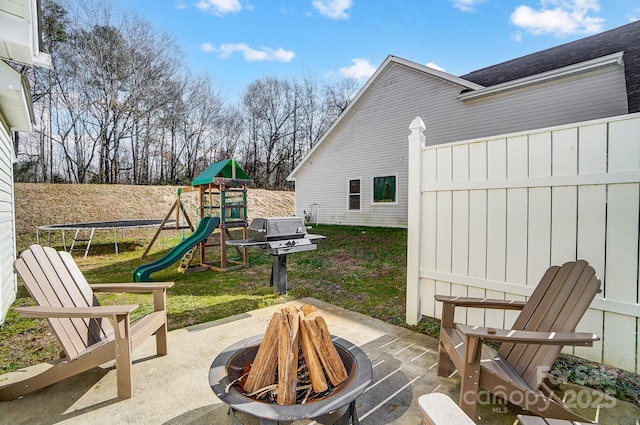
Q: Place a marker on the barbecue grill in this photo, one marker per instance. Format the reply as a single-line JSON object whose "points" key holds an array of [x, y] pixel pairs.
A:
{"points": [[278, 237]]}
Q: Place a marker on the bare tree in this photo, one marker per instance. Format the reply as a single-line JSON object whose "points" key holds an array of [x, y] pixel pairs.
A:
{"points": [[120, 106], [110, 79], [229, 131], [338, 95], [314, 112], [269, 104], [202, 114]]}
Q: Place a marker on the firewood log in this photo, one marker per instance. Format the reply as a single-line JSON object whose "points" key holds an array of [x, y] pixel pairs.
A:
{"points": [[288, 349], [307, 309], [263, 370], [329, 357], [316, 374]]}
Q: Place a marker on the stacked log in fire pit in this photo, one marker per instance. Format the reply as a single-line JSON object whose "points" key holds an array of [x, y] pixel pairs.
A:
{"points": [[296, 362], [293, 337]]}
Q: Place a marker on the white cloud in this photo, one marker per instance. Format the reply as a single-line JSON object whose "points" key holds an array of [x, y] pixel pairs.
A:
{"points": [[181, 5], [361, 68], [559, 17], [250, 55], [207, 47], [434, 66], [466, 5], [282, 55], [334, 9], [219, 7]]}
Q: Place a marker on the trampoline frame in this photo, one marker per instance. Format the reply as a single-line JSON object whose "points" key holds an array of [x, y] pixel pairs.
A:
{"points": [[97, 225]]}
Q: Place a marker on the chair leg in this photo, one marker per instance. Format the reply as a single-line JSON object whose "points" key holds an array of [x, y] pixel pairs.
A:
{"points": [[161, 340], [123, 356], [469, 386], [444, 360], [469, 368], [159, 304]]}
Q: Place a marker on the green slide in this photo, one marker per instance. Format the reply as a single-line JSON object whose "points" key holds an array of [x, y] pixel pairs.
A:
{"points": [[205, 228]]}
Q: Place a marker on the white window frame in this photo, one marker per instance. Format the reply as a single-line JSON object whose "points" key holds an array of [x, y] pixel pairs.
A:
{"points": [[349, 180], [373, 188]]}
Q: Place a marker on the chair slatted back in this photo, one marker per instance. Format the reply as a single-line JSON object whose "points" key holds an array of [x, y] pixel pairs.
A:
{"points": [[556, 305], [53, 279]]}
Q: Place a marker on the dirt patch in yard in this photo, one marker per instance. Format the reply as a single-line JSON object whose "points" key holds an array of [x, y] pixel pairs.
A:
{"points": [[39, 204]]}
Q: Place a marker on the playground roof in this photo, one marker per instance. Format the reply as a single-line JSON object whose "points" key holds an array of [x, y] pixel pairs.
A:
{"points": [[220, 169]]}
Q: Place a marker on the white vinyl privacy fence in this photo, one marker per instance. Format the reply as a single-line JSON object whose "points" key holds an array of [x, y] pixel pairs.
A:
{"points": [[487, 217]]}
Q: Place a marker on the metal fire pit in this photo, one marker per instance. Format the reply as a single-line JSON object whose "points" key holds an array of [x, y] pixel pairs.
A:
{"points": [[227, 367], [279, 237]]}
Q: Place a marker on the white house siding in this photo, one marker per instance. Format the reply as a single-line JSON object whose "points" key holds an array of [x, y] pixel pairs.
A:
{"points": [[370, 141], [371, 138], [19, 42], [598, 94], [489, 216], [7, 234]]}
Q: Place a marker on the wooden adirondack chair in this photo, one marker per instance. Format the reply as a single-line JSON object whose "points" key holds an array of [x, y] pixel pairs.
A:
{"points": [[86, 335], [517, 370]]}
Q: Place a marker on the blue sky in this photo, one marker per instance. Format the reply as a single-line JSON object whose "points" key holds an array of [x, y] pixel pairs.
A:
{"points": [[239, 41]]}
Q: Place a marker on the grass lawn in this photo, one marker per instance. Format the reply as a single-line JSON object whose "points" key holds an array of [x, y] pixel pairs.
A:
{"points": [[358, 268], [361, 269]]}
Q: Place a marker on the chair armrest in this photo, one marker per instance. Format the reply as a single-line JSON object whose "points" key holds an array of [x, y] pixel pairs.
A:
{"points": [[130, 287], [76, 312], [481, 302], [530, 337], [475, 334]]}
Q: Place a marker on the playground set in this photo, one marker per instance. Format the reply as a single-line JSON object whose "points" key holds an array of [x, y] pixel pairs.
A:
{"points": [[221, 191]]}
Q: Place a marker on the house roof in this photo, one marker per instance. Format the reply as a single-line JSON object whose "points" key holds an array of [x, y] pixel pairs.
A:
{"points": [[624, 39], [20, 33], [228, 169], [15, 99]]}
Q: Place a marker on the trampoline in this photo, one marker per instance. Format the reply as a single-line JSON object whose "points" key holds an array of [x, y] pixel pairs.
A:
{"points": [[91, 227]]}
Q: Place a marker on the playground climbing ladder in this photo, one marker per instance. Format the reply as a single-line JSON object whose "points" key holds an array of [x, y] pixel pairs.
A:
{"points": [[186, 260]]}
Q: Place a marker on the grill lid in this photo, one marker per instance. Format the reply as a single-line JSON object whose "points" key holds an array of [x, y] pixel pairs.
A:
{"points": [[276, 228]]}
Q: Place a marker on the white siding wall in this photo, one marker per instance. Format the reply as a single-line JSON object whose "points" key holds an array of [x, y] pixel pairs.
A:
{"points": [[7, 233], [593, 95], [371, 139], [493, 214], [370, 142]]}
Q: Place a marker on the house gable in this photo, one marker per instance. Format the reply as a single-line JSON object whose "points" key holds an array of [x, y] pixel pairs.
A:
{"points": [[378, 79]]}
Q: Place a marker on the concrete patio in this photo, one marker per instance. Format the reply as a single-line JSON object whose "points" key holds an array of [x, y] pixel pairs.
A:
{"points": [[175, 390]]}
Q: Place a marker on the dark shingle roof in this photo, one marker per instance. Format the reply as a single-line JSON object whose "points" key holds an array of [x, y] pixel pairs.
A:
{"points": [[622, 39]]}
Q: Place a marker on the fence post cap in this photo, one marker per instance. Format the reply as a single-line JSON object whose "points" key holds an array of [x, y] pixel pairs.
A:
{"points": [[417, 125]]}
